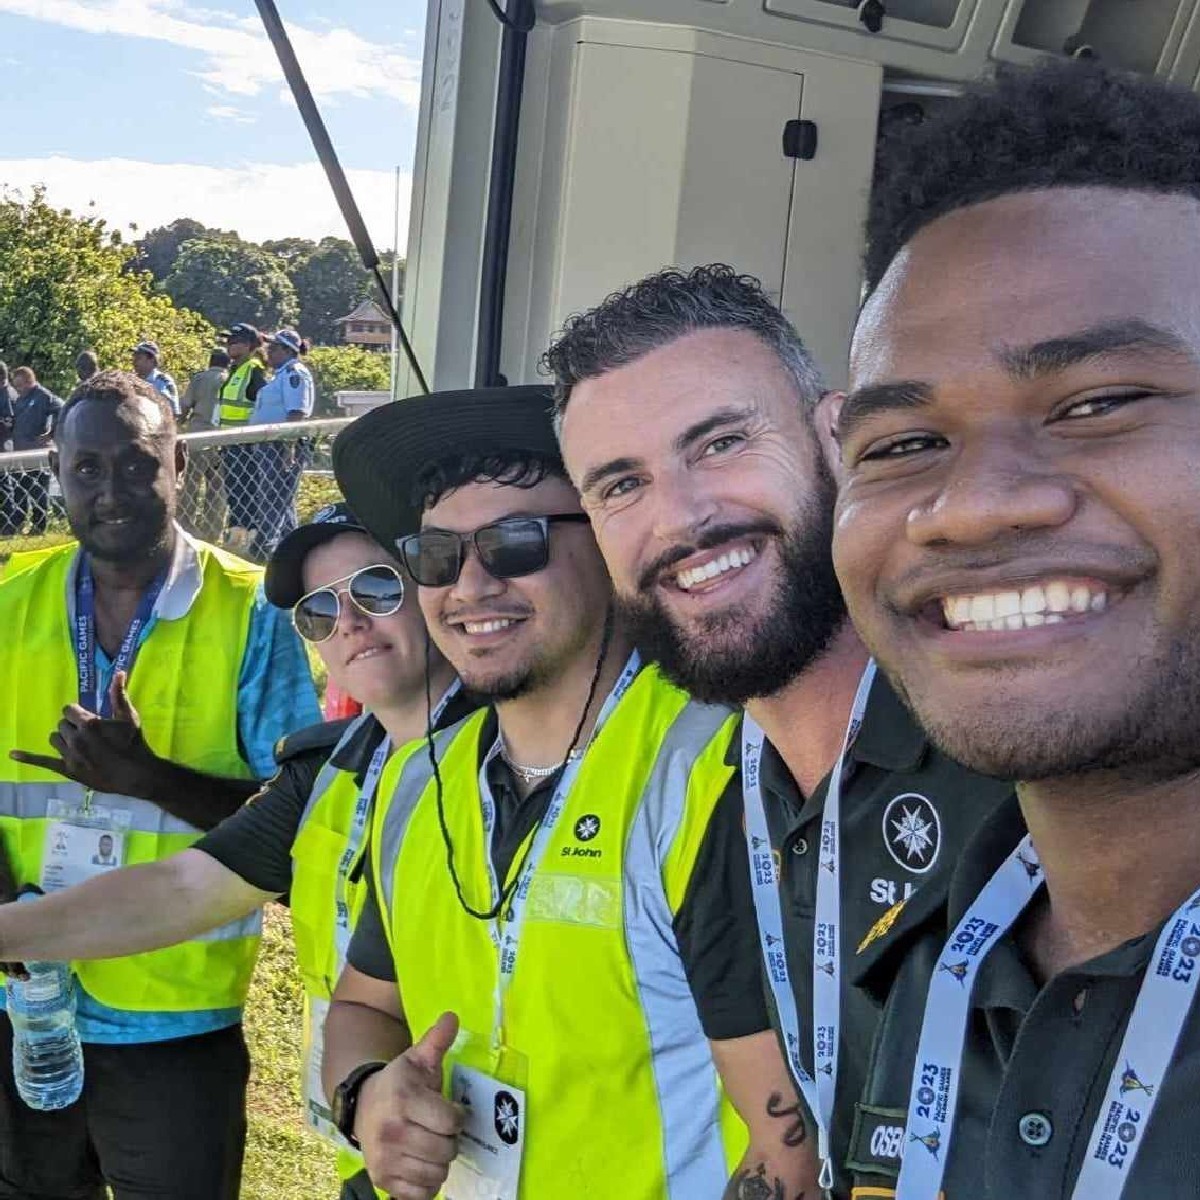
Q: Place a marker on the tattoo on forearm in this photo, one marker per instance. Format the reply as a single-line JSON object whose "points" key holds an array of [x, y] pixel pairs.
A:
{"points": [[797, 1131], [753, 1184]]}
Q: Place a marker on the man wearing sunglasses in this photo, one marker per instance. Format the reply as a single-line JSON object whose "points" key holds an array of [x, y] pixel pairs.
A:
{"points": [[550, 881], [136, 613], [303, 834]]}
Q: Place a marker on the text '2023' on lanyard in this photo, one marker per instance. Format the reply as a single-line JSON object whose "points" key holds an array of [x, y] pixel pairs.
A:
{"points": [[506, 929], [91, 695], [1162, 1007], [818, 1091], [362, 818]]}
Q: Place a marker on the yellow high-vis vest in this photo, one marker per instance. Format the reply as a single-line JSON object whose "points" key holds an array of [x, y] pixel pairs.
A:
{"points": [[622, 1099], [235, 406], [321, 841], [184, 685]]}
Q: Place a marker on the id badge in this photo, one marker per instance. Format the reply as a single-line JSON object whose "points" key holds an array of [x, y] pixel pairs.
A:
{"points": [[317, 1114], [492, 1141], [81, 843]]}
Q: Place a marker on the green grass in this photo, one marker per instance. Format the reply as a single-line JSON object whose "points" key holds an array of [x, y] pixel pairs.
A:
{"points": [[284, 1161]]}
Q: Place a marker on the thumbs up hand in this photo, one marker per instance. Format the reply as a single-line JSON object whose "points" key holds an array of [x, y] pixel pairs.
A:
{"points": [[106, 754], [408, 1130]]}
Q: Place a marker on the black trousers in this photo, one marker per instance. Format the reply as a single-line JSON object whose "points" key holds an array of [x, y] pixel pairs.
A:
{"points": [[358, 1188], [160, 1121]]}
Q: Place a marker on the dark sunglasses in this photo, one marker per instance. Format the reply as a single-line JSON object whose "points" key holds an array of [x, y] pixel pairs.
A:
{"points": [[376, 591], [506, 549]]}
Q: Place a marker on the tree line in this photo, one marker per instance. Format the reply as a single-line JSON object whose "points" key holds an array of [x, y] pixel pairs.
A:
{"points": [[70, 282]]}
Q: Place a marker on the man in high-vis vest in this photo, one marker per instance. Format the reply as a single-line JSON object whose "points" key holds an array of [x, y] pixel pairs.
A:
{"points": [[246, 377], [534, 1002], [136, 613], [304, 834]]}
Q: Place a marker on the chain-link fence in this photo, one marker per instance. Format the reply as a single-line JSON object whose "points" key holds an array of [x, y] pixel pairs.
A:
{"points": [[244, 488]]}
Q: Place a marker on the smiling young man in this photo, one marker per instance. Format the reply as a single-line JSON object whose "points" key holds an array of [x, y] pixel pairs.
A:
{"points": [[1017, 538], [544, 882], [136, 613], [687, 418]]}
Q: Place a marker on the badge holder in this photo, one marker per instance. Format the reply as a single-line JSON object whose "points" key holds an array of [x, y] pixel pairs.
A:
{"points": [[317, 1114], [81, 841], [490, 1084]]}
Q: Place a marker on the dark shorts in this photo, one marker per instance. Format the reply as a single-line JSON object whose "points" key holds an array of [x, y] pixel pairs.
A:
{"points": [[160, 1121]]}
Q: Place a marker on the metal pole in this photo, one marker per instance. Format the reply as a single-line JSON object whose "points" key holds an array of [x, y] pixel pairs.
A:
{"points": [[395, 388]]}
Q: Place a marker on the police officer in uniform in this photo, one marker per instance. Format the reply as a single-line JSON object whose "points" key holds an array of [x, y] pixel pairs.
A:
{"points": [[247, 375], [699, 461], [302, 835], [288, 396]]}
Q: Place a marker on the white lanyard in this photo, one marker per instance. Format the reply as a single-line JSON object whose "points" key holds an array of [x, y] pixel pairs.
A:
{"points": [[818, 1093], [506, 929], [360, 822], [1162, 1007]]}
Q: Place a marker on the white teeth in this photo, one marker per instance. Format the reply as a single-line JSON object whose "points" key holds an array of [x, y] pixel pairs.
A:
{"points": [[1028, 608], [1058, 597], [487, 626], [718, 566]]}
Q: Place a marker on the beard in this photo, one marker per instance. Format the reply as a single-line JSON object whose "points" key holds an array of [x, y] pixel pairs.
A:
{"points": [[735, 655], [1144, 730]]}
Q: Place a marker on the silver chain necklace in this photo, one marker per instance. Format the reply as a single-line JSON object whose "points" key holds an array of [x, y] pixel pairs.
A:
{"points": [[532, 774]]}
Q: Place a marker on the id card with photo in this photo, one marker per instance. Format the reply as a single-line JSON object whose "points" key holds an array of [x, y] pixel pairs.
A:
{"points": [[81, 843], [317, 1113]]}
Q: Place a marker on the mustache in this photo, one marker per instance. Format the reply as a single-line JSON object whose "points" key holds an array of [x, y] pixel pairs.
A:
{"points": [[707, 540]]}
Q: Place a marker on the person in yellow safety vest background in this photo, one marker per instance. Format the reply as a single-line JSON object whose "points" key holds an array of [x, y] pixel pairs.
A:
{"points": [[136, 613], [304, 834], [551, 882], [247, 376]]}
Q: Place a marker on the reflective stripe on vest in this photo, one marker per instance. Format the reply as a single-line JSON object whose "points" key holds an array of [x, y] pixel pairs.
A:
{"points": [[235, 407], [185, 688], [599, 1004]]}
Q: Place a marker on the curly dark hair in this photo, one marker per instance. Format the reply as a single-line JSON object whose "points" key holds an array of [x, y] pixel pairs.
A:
{"points": [[664, 306], [513, 468], [1065, 123]]}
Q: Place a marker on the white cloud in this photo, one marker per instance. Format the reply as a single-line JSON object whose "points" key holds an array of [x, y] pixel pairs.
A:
{"points": [[226, 112], [236, 56], [260, 202]]}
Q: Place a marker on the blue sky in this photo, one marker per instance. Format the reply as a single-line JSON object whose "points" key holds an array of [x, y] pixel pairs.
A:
{"points": [[156, 109]]}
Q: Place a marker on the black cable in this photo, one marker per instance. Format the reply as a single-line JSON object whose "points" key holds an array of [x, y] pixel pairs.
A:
{"points": [[311, 116], [506, 892], [528, 18]]}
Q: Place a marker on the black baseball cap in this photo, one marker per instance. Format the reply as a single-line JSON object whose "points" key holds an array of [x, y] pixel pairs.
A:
{"points": [[284, 581], [379, 457], [243, 333]]}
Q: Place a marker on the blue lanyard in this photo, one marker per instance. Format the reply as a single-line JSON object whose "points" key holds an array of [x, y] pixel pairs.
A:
{"points": [[91, 695]]}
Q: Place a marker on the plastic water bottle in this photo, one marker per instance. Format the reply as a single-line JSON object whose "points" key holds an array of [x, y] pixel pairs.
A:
{"points": [[47, 1056]]}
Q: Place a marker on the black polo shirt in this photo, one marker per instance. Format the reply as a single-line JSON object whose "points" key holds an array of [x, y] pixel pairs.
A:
{"points": [[906, 812], [1036, 1062], [256, 841]]}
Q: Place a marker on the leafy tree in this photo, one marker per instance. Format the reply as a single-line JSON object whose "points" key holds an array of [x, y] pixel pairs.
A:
{"points": [[65, 287], [329, 282], [231, 281], [290, 250], [346, 369], [157, 251]]}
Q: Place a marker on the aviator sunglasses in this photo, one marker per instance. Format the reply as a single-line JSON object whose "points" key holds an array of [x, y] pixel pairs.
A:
{"points": [[506, 549], [376, 591]]}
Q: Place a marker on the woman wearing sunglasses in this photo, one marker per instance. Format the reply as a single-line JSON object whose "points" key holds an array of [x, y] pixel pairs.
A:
{"points": [[302, 835]]}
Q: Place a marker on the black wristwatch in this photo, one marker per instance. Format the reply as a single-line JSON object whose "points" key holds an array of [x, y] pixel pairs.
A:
{"points": [[345, 1099]]}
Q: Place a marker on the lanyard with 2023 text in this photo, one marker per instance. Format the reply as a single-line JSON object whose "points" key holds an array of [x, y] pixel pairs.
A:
{"points": [[818, 1090], [507, 927], [1162, 1007]]}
